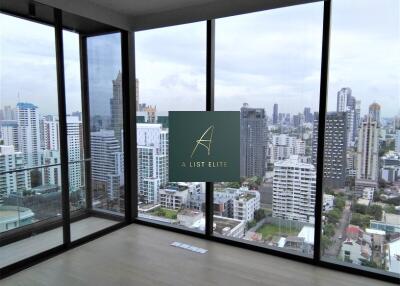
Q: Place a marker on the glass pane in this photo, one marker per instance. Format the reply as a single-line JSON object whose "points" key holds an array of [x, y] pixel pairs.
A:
{"points": [[28, 100], [30, 175], [361, 219], [74, 120], [269, 68], [170, 66], [106, 122]]}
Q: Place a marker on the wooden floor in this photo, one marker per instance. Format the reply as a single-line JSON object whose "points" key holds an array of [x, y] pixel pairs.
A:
{"points": [[24, 248], [140, 255]]}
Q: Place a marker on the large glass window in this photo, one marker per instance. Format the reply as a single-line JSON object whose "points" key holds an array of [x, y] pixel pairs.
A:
{"points": [[106, 122], [74, 121], [30, 174], [269, 68], [170, 68], [361, 219]]}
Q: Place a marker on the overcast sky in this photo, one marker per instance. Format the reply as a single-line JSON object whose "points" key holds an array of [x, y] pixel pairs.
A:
{"points": [[261, 58]]}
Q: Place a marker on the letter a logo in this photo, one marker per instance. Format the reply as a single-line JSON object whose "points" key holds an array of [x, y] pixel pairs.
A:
{"points": [[205, 140]]}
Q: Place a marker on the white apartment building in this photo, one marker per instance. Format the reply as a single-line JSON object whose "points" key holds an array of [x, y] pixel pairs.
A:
{"points": [[51, 135], [245, 204], [75, 152], [152, 148], [283, 146], [367, 155], [107, 163], [15, 181], [327, 202], [51, 175], [397, 142], [174, 196], [9, 132], [28, 133], [294, 190]]}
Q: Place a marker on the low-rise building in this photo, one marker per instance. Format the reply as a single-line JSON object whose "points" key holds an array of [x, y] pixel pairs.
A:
{"points": [[354, 251], [389, 223], [14, 216], [229, 226]]}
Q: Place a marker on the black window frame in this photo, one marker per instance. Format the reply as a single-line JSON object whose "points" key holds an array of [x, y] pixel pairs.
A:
{"points": [[130, 151]]}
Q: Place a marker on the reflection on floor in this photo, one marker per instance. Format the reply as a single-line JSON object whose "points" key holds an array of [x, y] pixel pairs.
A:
{"points": [[19, 250], [140, 255]]}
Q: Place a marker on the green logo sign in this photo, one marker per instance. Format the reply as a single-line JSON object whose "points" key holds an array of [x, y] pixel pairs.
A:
{"points": [[204, 146]]}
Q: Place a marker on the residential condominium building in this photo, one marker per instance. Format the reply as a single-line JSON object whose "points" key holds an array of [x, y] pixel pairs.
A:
{"points": [[107, 163], [294, 190], [245, 204], [174, 196], [152, 152], [9, 133], [28, 133], [253, 141], [116, 108], [347, 103], [12, 182], [335, 148], [75, 152], [282, 146], [367, 155], [397, 141], [51, 136]]}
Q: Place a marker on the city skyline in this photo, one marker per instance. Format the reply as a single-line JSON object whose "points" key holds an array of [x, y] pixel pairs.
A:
{"points": [[368, 34]]}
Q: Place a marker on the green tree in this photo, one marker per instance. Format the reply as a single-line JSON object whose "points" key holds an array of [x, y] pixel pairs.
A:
{"points": [[360, 220], [325, 243], [329, 230], [375, 211], [235, 185], [36, 178], [259, 214], [340, 202], [362, 209], [334, 215]]}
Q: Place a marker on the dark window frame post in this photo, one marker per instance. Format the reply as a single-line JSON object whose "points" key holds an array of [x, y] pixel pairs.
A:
{"points": [[62, 117], [210, 77], [129, 118], [321, 129]]}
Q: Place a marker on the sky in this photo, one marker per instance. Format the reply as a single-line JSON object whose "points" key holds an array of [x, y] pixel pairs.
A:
{"points": [[261, 58]]}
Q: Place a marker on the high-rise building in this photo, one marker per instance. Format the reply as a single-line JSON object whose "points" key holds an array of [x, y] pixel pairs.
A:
{"points": [[335, 148], [28, 133], [13, 182], [282, 146], [51, 175], [107, 163], [152, 149], [347, 103], [75, 152], [275, 114], [116, 108], [9, 133], [51, 136], [8, 113], [308, 116], [367, 155], [294, 190], [397, 141], [253, 141], [137, 95], [344, 99], [375, 112]]}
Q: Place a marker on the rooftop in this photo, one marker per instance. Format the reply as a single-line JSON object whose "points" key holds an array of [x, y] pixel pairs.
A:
{"points": [[221, 224]]}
